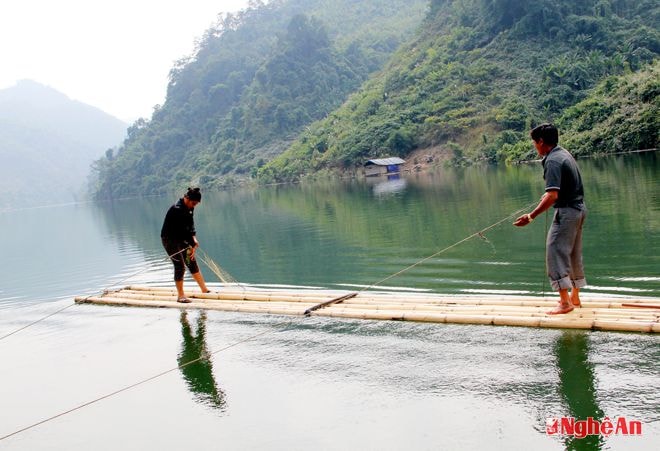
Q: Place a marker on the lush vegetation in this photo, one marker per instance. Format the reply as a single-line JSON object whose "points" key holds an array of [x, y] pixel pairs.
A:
{"points": [[299, 87], [256, 79], [481, 72], [621, 114]]}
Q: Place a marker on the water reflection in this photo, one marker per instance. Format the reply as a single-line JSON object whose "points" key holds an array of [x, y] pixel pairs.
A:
{"points": [[394, 184], [357, 231], [199, 375], [577, 385]]}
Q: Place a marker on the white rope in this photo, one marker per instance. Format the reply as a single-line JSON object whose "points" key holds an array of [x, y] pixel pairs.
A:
{"points": [[480, 234], [103, 291], [203, 356], [252, 337]]}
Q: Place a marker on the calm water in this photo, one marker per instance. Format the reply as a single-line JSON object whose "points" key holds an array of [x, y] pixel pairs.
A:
{"points": [[315, 383]]}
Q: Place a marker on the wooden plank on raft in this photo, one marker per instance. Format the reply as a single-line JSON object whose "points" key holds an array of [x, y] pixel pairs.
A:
{"points": [[330, 302], [643, 305], [597, 313]]}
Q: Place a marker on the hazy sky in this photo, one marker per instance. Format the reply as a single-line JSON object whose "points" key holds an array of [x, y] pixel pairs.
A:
{"points": [[114, 55]]}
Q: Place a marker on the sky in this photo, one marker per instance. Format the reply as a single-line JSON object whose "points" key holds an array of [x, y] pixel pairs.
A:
{"points": [[114, 55]]}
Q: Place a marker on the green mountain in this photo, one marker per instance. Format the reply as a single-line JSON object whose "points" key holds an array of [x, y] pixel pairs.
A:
{"points": [[47, 143], [480, 73], [255, 81], [299, 87], [619, 115]]}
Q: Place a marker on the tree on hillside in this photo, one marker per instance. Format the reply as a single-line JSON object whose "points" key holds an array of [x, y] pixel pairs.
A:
{"points": [[255, 79], [477, 76]]}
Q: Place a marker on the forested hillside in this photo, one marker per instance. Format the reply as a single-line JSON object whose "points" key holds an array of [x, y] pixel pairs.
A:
{"points": [[480, 73], [255, 81], [621, 114]]}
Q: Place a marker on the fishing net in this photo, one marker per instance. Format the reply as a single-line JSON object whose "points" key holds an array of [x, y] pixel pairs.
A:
{"points": [[220, 272]]}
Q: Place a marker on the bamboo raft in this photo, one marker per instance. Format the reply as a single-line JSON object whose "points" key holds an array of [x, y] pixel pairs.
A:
{"points": [[617, 314]]}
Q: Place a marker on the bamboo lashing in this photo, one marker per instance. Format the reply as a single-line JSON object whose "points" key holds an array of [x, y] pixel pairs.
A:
{"points": [[596, 313]]}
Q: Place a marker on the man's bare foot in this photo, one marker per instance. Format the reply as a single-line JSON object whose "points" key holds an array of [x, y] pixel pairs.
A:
{"points": [[561, 309], [575, 298]]}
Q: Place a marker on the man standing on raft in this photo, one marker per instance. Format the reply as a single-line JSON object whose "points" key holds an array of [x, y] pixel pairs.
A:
{"points": [[564, 191], [180, 241]]}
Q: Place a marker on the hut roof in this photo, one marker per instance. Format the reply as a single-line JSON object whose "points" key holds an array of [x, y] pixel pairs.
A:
{"points": [[385, 161]]}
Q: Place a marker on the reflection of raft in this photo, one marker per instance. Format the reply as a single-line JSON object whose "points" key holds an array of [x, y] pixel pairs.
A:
{"points": [[503, 310]]}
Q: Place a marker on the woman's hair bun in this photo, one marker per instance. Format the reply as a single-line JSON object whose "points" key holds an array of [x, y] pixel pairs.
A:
{"points": [[194, 194]]}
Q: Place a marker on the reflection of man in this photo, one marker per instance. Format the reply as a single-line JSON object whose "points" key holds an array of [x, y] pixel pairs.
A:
{"points": [[577, 385], [199, 375]]}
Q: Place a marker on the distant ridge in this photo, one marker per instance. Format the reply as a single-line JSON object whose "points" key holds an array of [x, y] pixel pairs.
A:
{"points": [[47, 144]]}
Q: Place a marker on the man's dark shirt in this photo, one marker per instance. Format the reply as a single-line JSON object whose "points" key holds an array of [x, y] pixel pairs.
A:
{"points": [[179, 224], [560, 172]]}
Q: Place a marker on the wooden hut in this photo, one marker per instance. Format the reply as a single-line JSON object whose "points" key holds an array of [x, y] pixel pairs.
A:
{"points": [[383, 166]]}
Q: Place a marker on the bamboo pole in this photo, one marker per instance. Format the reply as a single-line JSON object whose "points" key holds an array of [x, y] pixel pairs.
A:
{"points": [[330, 302], [544, 322], [383, 297], [468, 307], [361, 298], [526, 311], [233, 307], [533, 311], [210, 297], [369, 309]]}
